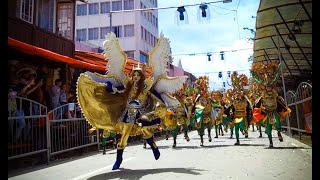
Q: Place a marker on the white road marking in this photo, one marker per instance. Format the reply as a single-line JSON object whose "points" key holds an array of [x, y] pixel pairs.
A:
{"points": [[98, 170], [294, 145]]}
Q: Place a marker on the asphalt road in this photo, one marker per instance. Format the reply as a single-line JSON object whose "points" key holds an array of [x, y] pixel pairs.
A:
{"points": [[219, 159]]}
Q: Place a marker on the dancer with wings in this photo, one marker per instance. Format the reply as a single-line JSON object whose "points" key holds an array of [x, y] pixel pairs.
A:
{"points": [[131, 104]]}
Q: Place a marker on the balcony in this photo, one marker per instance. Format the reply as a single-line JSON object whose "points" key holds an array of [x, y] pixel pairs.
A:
{"points": [[36, 36]]}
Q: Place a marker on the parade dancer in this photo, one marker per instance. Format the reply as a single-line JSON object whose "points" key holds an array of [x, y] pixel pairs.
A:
{"points": [[217, 111], [241, 105], [128, 104], [203, 119], [270, 109]]}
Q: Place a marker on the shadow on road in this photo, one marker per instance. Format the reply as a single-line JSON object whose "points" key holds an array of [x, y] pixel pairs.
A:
{"points": [[291, 147], [126, 174]]}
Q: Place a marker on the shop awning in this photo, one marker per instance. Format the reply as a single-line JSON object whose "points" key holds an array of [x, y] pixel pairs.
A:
{"points": [[36, 51], [286, 24]]}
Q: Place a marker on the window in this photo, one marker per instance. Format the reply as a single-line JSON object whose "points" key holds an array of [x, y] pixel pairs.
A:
{"points": [[143, 58], [128, 4], [94, 8], [25, 10], [142, 31], [81, 9], [145, 34], [81, 34], [141, 7], [130, 54], [104, 31], [116, 6], [153, 20], [151, 38], [104, 7], [128, 30], [45, 15], [65, 17], [144, 13], [117, 30], [156, 22], [93, 33]]}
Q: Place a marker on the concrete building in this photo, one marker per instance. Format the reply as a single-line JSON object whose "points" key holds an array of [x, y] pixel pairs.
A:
{"points": [[137, 31]]}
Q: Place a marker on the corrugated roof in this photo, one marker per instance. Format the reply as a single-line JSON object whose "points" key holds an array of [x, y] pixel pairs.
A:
{"points": [[288, 24]]}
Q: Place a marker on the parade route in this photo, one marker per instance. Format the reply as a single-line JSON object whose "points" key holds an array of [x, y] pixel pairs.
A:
{"points": [[218, 159]]}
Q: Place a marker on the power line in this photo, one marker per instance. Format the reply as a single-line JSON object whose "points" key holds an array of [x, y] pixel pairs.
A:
{"points": [[205, 53], [171, 7]]}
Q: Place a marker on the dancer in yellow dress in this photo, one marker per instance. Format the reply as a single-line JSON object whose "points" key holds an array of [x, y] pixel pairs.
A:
{"points": [[131, 104]]}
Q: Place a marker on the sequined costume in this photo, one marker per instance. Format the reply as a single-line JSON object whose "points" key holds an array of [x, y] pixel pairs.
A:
{"points": [[217, 112], [270, 109], [241, 106], [128, 104], [203, 118]]}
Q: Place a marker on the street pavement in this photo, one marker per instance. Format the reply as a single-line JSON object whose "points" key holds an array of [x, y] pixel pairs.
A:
{"points": [[219, 159]]}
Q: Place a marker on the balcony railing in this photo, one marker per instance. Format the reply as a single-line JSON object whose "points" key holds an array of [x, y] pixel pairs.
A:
{"points": [[33, 35]]}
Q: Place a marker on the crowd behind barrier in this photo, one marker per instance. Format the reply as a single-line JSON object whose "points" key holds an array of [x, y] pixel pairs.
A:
{"points": [[52, 132]]}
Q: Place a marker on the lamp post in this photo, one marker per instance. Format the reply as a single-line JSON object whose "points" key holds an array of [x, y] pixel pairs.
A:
{"points": [[283, 84]]}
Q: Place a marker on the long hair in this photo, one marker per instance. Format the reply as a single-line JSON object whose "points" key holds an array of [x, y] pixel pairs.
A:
{"points": [[140, 84]]}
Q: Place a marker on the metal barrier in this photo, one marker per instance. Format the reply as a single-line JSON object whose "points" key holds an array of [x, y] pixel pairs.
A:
{"points": [[27, 127], [69, 130], [34, 130], [300, 103]]}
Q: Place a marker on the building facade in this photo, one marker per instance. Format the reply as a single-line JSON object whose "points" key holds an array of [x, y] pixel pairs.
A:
{"points": [[137, 31]]}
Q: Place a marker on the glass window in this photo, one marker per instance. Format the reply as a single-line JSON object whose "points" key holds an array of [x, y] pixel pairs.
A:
{"points": [[142, 31], [141, 7], [117, 31], [128, 30], [25, 10], [128, 4], [104, 7], [81, 35], [65, 20], [93, 33], [156, 22], [143, 58], [45, 15], [104, 31], [145, 34], [94, 8], [81, 9], [116, 6], [130, 54]]}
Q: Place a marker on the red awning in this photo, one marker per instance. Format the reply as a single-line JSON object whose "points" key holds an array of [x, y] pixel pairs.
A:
{"points": [[36, 51]]}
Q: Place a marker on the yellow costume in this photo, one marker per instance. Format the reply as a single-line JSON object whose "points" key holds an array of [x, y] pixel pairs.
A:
{"points": [[128, 104]]}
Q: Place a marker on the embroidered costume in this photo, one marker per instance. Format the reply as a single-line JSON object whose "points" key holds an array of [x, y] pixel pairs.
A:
{"points": [[131, 104], [270, 107]]}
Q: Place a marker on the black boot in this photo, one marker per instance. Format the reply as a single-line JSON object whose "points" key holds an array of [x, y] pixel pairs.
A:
{"points": [[186, 136], [119, 159], [231, 135], [104, 149], [238, 142], [174, 142], [216, 133], [271, 143], [246, 134], [209, 135], [167, 136], [260, 136], [220, 129], [154, 148], [144, 144], [280, 136], [201, 137]]}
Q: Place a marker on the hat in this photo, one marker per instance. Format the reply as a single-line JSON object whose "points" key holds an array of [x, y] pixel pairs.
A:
{"points": [[28, 70]]}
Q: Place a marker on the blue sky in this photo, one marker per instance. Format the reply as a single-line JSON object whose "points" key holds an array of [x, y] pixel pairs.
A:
{"points": [[223, 32]]}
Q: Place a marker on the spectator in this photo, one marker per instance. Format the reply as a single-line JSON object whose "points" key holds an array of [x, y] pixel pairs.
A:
{"points": [[55, 93], [63, 99]]}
